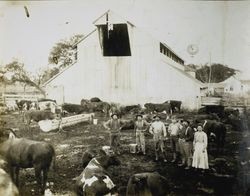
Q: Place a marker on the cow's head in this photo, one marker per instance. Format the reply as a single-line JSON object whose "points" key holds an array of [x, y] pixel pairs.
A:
{"points": [[107, 160]]}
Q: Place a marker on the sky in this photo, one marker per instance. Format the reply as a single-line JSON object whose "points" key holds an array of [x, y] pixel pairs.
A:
{"points": [[220, 29]]}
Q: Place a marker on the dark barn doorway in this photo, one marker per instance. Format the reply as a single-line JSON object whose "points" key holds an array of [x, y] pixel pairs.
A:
{"points": [[114, 40]]}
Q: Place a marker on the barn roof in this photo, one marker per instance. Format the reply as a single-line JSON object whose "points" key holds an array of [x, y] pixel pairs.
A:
{"points": [[189, 76], [58, 74], [129, 22]]}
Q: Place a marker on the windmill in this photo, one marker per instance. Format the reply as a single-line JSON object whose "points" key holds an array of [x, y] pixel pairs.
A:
{"points": [[192, 49]]}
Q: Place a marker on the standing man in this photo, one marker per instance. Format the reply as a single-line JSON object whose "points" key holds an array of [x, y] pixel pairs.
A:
{"points": [[188, 144], [114, 125], [158, 130], [141, 126], [174, 129]]}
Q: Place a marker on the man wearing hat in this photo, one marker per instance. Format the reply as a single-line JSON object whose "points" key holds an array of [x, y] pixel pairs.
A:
{"points": [[158, 130], [140, 128], [174, 129], [188, 143], [114, 125]]}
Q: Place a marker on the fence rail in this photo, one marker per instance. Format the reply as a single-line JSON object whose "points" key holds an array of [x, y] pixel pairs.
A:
{"points": [[65, 122], [12, 97], [226, 101]]}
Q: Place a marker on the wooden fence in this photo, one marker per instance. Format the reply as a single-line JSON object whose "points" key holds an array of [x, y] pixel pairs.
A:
{"points": [[65, 122], [232, 101], [10, 99]]}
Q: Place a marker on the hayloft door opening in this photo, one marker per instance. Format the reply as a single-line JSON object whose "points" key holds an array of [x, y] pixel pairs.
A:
{"points": [[114, 40]]}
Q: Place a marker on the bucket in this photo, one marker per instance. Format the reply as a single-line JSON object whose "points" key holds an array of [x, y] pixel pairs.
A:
{"points": [[132, 148], [95, 121], [45, 125]]}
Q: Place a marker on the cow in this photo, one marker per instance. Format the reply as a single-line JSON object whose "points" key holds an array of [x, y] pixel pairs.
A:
{"points": [[148, 183], [174, 105], [74, 108], [7, 187], [95, 99], [96, 106], [218, 129], [38, 115], [25, 153], [100, 107], [132, 109], [153, 107], [87, 156], [94, 179], [23, 105]]}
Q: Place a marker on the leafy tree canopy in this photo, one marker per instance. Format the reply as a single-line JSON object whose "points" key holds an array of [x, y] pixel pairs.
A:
{"points": [[63, 53], [218, 73]]}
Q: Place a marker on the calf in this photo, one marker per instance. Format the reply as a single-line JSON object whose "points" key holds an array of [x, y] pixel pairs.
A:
{"points": [[149, 184], [24, 153], [94, 179]]}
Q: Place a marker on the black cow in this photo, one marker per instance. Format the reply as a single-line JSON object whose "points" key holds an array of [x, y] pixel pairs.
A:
{"points": [[218, 129], [133, 109], [156, 107], [87, 156], [95, 99], [94, 179], [75, 108], [24, 153], [96, 106], [150, 184], [175, 105]]}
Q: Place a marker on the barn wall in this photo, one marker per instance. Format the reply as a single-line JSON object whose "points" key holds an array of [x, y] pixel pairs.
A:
{"points": [[139, 78]]}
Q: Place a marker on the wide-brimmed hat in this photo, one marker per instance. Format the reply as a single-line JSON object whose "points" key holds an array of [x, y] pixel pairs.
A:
{"points": [[113, 115], [156, 115], [186, 120], [137, 115]]}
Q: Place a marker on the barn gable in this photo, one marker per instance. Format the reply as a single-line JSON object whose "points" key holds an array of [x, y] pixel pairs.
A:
{"points": [[120, 62]]}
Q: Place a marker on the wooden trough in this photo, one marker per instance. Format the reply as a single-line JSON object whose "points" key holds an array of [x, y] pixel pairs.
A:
{"points": [[49, 125]]}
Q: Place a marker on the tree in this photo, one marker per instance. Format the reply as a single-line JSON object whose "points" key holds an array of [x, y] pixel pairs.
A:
{"points": [[47, 74], [63, 53], [17, 73], [219, 73]]}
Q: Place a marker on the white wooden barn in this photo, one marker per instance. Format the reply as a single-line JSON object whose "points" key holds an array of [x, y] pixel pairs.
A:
{"points": [[119, 62]]}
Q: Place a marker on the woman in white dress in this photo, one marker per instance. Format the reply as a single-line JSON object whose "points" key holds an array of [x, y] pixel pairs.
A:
{"points": [[200, 158]]}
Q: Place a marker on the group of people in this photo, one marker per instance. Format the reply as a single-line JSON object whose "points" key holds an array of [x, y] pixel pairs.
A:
{"points": [[188, 145]]}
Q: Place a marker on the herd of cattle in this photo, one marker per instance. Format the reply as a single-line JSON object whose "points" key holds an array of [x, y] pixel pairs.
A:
{"points": [[16, 153]]}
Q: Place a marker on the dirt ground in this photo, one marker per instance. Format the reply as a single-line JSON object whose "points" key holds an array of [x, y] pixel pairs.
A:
{"points": [[73, 141]]}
